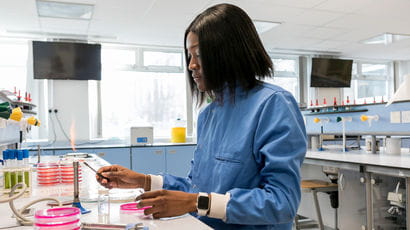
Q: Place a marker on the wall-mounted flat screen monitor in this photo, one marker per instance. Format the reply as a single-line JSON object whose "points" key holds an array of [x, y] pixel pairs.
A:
{"points": [[66, 60], [333, 73]]}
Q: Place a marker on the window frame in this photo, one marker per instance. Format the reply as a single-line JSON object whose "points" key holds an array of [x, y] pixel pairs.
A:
{"points": [[287, 74], [138, 66], [388, 78]]}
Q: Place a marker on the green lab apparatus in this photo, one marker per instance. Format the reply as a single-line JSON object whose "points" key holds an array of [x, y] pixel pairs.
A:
{"points": [[5, 110]]}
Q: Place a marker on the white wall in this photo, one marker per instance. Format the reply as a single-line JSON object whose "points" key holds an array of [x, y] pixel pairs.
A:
{"points": [[70, 98], [329, 94], [403, 69]]}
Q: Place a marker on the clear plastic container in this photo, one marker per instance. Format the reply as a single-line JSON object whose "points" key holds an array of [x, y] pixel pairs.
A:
{"points": [[54, 216], [103, 206]]}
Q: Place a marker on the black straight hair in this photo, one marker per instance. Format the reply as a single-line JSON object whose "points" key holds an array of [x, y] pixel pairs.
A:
{"points": [[232, 53]]}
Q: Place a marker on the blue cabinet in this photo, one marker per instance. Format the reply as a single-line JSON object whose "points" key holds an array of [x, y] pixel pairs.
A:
{"points": [[178, 159], [148, 160], [175, 160], [118, 156]]}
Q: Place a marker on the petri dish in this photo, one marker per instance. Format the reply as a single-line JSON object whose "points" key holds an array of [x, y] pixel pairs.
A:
{"points": [[132, 208], [73, 225], [55, 216]]}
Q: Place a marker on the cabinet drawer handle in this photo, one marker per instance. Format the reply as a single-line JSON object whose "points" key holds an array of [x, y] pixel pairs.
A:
{"points": [[101, 154], [158, 151], [172, 151]]}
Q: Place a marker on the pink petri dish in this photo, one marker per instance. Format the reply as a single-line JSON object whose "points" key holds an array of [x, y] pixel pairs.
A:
{"points": [[130, 208], [48, 179], [47, 166], [56, 216], [48, 183], [73, 225]]}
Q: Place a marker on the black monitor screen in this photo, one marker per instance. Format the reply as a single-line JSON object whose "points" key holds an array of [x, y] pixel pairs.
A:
{"points": [[331, 72], [66, 60]]}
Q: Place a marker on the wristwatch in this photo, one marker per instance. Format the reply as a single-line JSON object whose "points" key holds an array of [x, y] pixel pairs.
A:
{"points": [[203, 203]]}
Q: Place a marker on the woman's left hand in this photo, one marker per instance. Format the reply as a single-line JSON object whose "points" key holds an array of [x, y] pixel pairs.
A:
{"points": [[167, 203]]}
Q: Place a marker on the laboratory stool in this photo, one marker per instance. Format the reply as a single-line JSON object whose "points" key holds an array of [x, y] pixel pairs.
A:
{"points": [[316, 186]]}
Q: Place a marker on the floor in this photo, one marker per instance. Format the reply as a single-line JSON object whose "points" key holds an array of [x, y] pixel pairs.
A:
{"points": [[309, 224]]}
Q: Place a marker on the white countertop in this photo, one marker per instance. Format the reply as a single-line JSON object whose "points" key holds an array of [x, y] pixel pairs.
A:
{"points": [[88, 196], [362, 157]]}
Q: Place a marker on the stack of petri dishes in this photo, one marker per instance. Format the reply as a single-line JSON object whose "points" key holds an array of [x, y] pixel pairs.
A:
{"points": [[67, 172], [56, 173], [48, 174], [57, 219]]}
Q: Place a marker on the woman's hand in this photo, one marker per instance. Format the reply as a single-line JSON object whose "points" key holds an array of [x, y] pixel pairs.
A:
{"points": [[167, 203], [121, 177]]}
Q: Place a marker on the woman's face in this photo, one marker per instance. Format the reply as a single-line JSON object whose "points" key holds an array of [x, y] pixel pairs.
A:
{"points": [[194, 65]]}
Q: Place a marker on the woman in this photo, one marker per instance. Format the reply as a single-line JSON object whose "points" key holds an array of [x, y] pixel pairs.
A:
{"points": [[251, 139]]}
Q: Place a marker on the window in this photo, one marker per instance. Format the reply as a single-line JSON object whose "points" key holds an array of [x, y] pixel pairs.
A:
{"points": [[155, 58], [286, 74], [132, 94], [13, 66], [117, 57], [371, 82]]}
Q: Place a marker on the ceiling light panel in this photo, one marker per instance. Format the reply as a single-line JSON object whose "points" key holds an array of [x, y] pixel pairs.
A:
{"points": [[263, 26], [386, 38], [64, 10]]}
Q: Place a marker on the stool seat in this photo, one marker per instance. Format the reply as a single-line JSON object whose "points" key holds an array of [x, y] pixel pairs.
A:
{"points": [[317, 184]]}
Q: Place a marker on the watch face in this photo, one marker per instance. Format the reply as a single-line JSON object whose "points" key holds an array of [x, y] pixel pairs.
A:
{"points": [[203, 202]]}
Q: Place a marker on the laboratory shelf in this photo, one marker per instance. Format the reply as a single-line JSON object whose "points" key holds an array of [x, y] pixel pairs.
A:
{"points": [[336, 112]]}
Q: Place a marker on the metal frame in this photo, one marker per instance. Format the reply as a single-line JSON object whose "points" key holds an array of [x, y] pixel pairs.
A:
{"points": [[368, 171]]}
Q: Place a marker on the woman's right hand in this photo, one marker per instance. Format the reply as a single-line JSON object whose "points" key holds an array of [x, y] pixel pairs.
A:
{"points": [[121, 177]]}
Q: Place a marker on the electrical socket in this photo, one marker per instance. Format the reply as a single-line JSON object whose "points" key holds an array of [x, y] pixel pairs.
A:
{"points": [[405, 116], [395, 117]]}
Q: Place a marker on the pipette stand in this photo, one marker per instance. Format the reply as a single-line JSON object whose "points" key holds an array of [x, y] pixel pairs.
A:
{"points": [[321, 138], [343, 120], [321, 121]]}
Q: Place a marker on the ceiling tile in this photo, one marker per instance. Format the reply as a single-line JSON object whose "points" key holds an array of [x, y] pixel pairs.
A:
{"points": [[315, 17], [265, 10], [330, 45], [344, 6], [325, 25], [297, 3], [324, 33], [63, 25]]}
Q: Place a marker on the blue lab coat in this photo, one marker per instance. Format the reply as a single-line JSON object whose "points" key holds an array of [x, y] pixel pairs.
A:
{"points": [[253, 149]]}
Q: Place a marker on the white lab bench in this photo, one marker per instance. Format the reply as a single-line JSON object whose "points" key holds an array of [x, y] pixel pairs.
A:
{"points": [[364, 179], [88, 196]]}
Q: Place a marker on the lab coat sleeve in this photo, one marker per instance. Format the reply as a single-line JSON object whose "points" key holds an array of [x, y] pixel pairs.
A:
{"points": [[171, 182], [279, 148]]}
